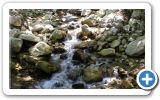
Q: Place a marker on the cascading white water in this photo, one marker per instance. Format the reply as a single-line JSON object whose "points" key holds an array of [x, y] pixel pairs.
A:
{"points": [[60, 80]]}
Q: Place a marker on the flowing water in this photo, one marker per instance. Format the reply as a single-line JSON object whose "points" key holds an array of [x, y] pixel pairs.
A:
{"points": [[60, 80]]}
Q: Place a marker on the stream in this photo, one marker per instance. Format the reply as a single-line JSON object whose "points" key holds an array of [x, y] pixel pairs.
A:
{"points": [[60, 80]]}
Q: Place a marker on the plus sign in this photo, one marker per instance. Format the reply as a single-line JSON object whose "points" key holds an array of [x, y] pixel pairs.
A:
{"points": [[147, 79]]}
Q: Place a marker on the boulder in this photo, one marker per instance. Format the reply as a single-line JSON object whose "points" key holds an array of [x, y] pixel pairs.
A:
{"points": [[92, 74], [81, 56], [136, 48], [37, 27], [30, 37], [15, 21], [107, 52], [47, 67], [74, 73], [40, 49], [58, 35], [16, 44]]}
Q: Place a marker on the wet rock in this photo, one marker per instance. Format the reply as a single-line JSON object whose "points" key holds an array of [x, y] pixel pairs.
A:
{"points": [[47, 67], [136, 48], [107, 52], [90, 22], [16, 44], [92, 74], [15, 20], [74, 73], [58, 35], [115, 43], [81, 56], [30, 37], [59, 50], [63, 56], [78, 86], [40, 49], [85, 12], [122, 73]]}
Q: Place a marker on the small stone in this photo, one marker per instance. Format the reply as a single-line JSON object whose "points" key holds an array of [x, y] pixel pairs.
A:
{"points": [[107, 52], [115, 43]]}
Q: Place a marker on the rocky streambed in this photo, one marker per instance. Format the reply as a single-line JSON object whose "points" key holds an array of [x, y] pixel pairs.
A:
{"points": [[76, 48]]}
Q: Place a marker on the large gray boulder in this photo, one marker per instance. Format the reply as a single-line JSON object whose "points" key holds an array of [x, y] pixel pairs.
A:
{"points": [[30, 37], [136, 48]]}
